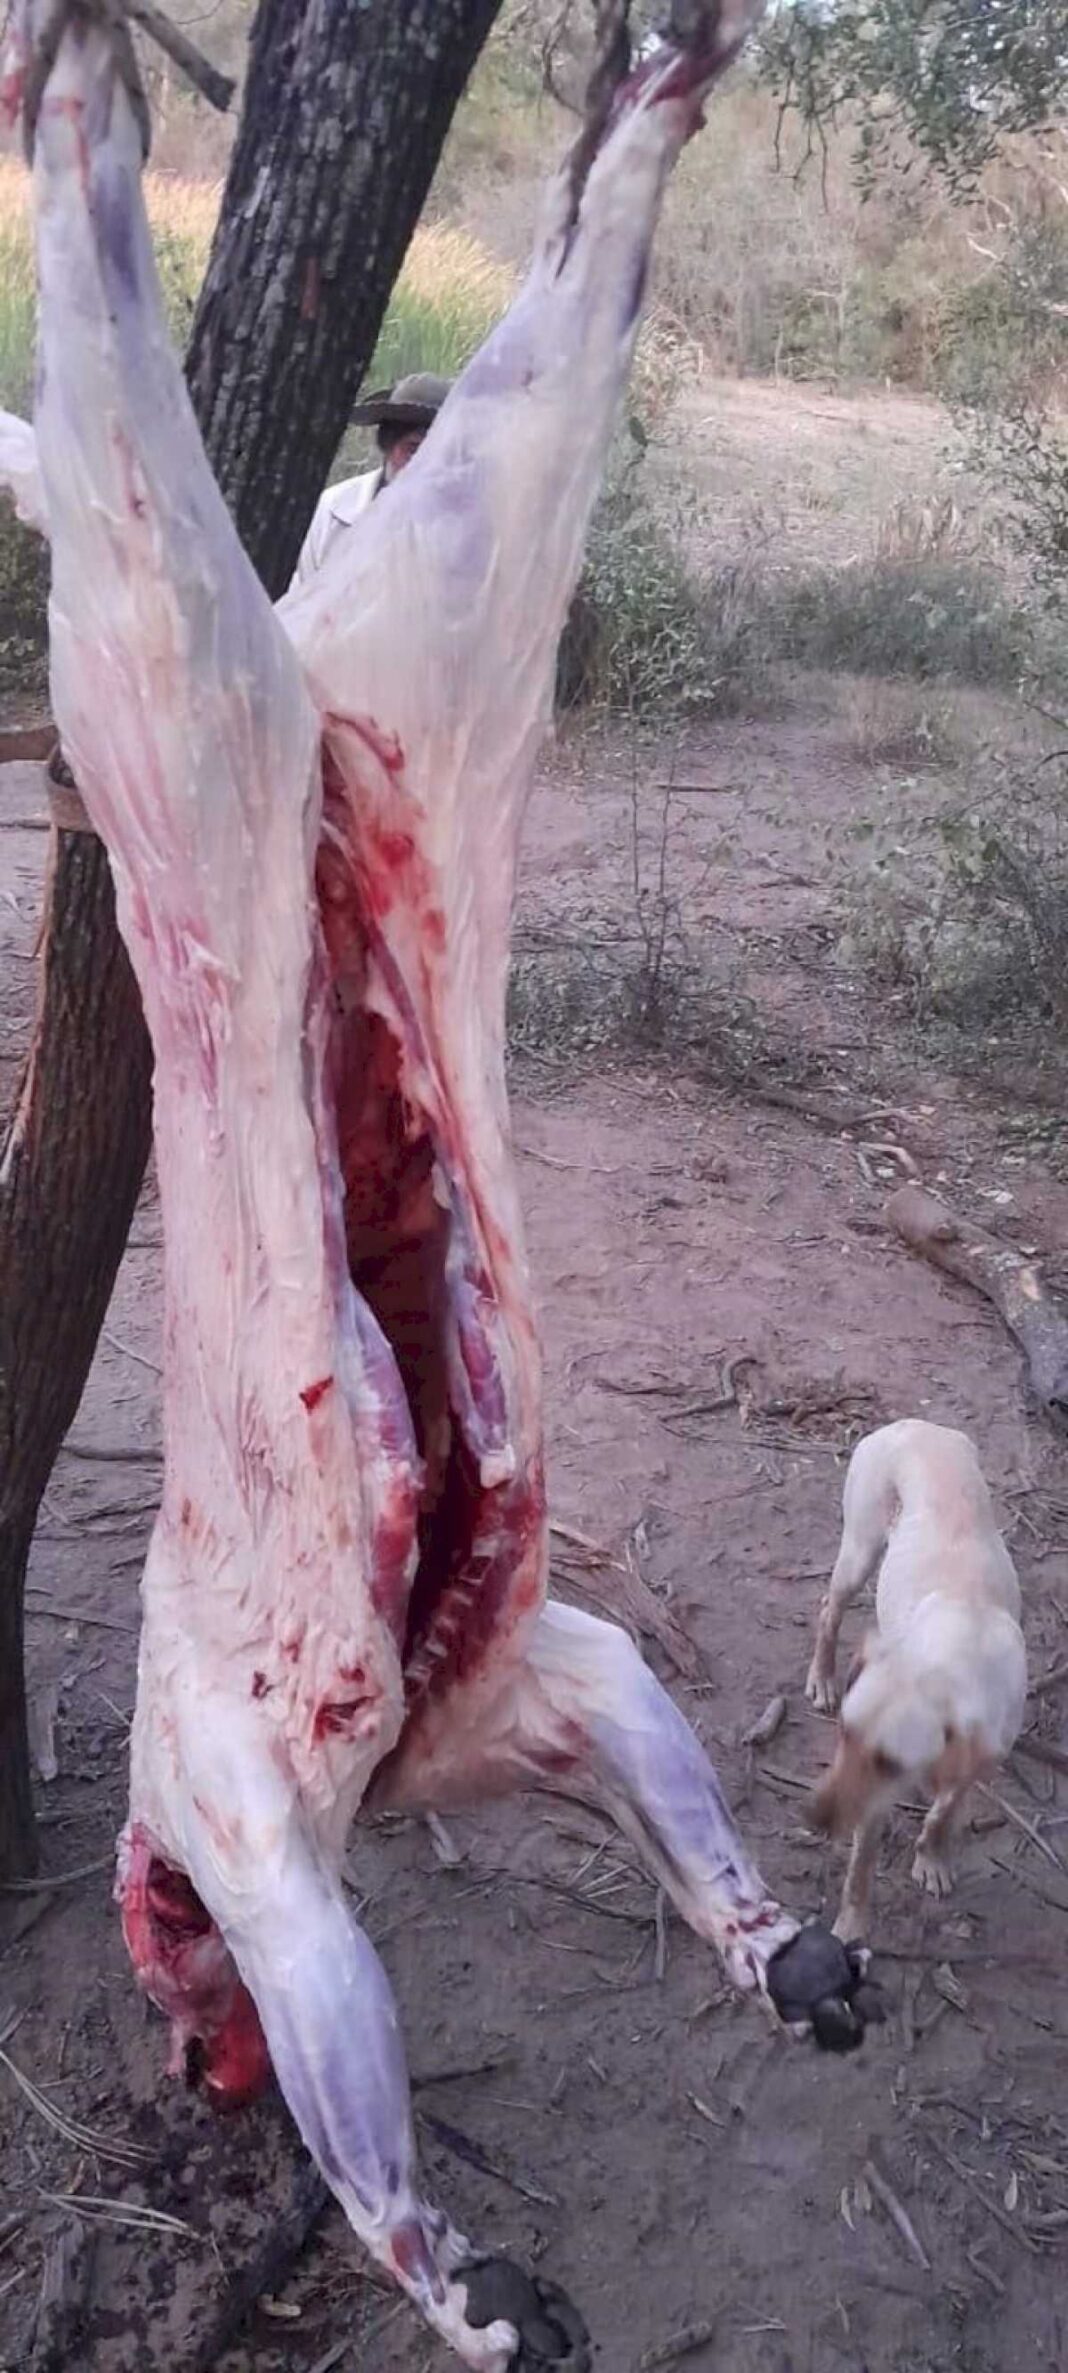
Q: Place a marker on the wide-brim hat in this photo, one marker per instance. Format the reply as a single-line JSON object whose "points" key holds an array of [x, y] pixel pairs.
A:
{"points": [[414, 402]]}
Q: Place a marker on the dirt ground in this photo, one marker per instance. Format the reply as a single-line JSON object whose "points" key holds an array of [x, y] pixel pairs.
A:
{"points": [[588, 2096]]}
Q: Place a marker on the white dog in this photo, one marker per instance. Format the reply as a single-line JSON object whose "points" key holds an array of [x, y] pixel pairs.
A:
{"points": [[937, 1696]]}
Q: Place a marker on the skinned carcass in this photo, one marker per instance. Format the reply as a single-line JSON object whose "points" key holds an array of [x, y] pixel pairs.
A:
{"points": [[19, 471], [312, 816]]}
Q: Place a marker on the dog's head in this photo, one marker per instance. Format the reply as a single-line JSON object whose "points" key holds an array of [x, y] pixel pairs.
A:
{"points": [[896, 1724]]}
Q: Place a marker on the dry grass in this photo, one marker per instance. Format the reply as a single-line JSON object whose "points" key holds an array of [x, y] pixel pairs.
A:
{"points": [[449, 294], [906, 728], [775, 268]]}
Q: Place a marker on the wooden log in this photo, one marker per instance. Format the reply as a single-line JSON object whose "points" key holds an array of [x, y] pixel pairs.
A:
{"points": [[1003, 1276], [35, 738], [267, 2269], [63, 2300]]}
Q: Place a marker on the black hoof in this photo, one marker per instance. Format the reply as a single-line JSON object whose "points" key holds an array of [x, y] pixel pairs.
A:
{"points": [[818, 1982], [551, 2330]]}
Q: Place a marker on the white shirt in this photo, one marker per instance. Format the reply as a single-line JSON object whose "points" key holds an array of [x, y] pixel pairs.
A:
{"points": [[338, 508]]}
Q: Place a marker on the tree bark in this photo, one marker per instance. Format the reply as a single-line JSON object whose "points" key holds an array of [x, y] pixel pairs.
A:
{"points": [[345, 113], [69, 1181]]}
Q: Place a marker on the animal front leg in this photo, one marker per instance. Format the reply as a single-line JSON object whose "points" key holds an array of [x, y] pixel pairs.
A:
{"points": [[583, 1715], [587, 1689], [854, 1911]]}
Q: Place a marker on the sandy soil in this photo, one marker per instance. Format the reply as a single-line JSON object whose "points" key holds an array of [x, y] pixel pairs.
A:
{"points": [[813, 477], [589, 2097]]}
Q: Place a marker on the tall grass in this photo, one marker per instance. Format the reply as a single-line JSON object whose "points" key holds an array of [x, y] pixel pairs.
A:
{"points": [[182, 215], [447, 299], [449, 294], [17, 293]]}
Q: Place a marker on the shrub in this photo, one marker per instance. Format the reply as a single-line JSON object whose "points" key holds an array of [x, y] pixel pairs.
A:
{"points": [[903, 617], [969, 925], [23, 613], [647, 634], [1022, 449]]}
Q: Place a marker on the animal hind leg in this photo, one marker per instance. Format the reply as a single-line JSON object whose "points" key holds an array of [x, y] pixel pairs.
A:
{"points": [[578, 1712], [583, 1715], [331, 2028]]}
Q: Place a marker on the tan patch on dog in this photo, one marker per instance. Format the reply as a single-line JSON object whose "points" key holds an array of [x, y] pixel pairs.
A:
{"points": [[857, 1774], [963, 1761]]}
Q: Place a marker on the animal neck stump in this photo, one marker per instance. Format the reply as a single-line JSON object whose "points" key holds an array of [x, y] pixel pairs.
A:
{"points": [[312, 815]]}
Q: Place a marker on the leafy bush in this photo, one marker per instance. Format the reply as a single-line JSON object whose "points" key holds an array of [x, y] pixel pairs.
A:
{"points": [[1022, 449], [23, 618], [903, 617], [969, 925], [647, 634]]}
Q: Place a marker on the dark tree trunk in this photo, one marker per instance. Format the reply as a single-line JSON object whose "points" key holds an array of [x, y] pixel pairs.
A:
{"points": [[69, 1181], [346, 109], [345, 114]]}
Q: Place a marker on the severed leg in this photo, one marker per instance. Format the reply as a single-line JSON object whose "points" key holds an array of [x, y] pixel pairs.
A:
{"points": [[584, 1716], [281, 1927]]}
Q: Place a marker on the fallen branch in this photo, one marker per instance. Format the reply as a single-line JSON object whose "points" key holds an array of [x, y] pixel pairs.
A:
{"points": [[1003, 1276], [22, 743], [824, 1111], [59, 1878], [993, 2207], [1010, 1812], [1040, 1751], [898, 2215], [679, 2344], [587, 1568], [462, 2147], [268, 2267], [761, 1732], [66, 2286], [622, 1595]]}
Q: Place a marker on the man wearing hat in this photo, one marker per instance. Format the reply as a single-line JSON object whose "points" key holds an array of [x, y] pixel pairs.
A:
{"points": [[402, 415]]}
